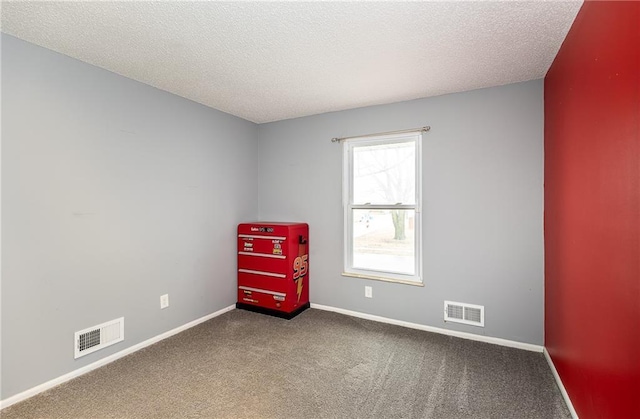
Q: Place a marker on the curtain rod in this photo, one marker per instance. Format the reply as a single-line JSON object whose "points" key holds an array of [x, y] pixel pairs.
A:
{"points": [[403, 131]]}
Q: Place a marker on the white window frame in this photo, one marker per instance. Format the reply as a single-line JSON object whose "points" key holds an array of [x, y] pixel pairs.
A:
{"points": [[349, 206]]}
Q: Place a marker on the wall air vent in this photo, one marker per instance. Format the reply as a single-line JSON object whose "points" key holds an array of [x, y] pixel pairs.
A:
{"points": [[94, 338], [464, 313]]}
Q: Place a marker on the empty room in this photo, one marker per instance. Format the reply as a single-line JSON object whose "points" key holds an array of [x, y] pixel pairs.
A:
{"points": [[320, 209]]}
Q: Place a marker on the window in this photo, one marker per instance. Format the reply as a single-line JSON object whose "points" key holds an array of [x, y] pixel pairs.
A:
{"points": [[381, 188]]}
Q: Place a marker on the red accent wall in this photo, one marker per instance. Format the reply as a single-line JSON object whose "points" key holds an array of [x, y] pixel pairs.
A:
{"points": [[592, 216]]}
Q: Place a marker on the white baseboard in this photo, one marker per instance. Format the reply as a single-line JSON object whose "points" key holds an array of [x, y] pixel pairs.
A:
{"points": [[464, 335], [104, 361], [563, 390]]}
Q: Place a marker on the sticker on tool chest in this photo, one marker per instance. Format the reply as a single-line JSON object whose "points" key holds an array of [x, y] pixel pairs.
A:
{"points": [[277, 247]]}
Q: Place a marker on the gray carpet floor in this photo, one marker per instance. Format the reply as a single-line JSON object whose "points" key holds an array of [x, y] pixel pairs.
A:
{"points": [[317, 365]]}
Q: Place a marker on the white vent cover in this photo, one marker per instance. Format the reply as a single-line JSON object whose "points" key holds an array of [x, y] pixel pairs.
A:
{"points": [[464, 313], [94, 338]]}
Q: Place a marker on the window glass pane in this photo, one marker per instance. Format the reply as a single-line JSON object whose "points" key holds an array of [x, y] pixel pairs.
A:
{"points": [[384, 173], [384, 240]]}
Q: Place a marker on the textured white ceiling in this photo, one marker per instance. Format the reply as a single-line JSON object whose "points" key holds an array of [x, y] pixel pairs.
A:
{"points": [[266, 61]]}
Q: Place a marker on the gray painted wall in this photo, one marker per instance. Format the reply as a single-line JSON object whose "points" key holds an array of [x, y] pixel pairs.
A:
{"points": [[113, 193], [482, 191]]}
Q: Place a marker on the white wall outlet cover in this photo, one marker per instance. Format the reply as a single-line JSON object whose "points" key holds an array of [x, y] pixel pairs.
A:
{"points": [[164, 301], [368, 292]]}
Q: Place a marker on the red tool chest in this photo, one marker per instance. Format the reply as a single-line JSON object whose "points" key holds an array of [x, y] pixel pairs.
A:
{"points": [[273, 268]]}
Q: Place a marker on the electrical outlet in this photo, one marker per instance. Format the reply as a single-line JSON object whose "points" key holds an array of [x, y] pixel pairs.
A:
{"points": [[368, 292], [164, 301]]}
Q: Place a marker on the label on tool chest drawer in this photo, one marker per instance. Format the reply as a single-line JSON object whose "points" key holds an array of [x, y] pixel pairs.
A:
{"points": [[253, 295], [263, 245], [248, 245]]}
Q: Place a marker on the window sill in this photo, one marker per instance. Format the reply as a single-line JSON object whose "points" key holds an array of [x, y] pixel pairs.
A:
{"points": [[382, 278]]}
